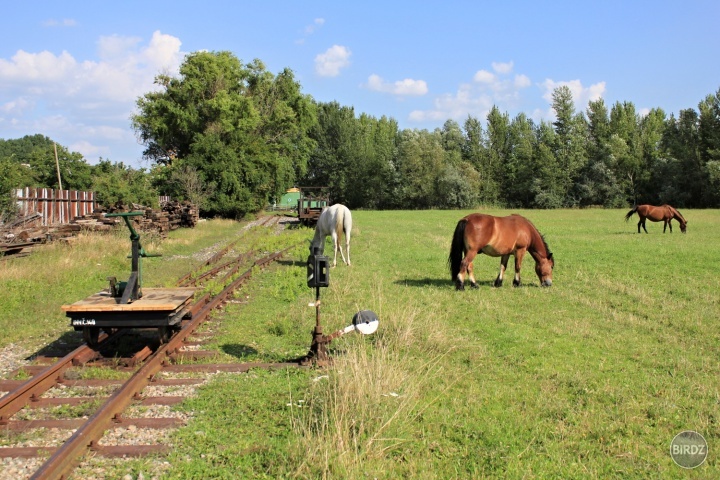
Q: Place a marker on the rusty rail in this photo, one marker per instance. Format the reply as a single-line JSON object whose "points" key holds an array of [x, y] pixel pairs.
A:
{"points": [[15, 400], [64, 459]]}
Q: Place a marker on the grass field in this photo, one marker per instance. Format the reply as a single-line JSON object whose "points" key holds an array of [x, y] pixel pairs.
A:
{"points": [[590, 378]]}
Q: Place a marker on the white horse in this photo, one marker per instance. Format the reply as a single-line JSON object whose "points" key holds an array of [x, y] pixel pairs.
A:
{"points": [[333, 221]]}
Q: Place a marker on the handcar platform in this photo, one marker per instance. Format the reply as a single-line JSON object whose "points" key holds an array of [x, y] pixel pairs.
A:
{"points": [[158, 307]]}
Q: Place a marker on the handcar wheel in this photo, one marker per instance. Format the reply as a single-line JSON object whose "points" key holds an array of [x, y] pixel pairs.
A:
{"points": [[164, 334], [91, 336]]}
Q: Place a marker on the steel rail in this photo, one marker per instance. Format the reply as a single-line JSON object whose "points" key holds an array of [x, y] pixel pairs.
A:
{"points": [[66, 457], [215, 258], [15, 400]]}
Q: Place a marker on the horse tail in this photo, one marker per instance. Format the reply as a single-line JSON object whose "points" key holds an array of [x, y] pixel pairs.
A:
{"points": [[630, 213], [457, 249], [347, 223], [339, 219]]}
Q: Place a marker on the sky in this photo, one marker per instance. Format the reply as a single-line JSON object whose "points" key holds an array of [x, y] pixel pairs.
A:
{"points": [[73, 71]]}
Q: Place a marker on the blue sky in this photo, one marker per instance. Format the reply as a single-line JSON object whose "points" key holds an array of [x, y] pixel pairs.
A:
{"points": [[73, 70]]}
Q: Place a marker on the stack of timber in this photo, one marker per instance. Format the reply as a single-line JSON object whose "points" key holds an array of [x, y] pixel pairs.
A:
{"points": [[18, 236], [172, 215], [181, 214]]}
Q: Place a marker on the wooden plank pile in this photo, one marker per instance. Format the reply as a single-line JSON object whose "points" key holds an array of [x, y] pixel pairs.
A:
{"points": [[25, 232], [172, 215]]}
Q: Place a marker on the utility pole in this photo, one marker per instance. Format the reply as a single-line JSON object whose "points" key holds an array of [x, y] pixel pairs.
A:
{"points": [[57, 165]]}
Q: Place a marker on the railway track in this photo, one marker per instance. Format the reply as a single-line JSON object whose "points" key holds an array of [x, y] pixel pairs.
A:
{"points": [[151, 367]]}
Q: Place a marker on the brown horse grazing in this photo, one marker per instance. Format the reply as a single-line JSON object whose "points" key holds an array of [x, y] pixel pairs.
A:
{"points": [[663, 213], [498, 237]]}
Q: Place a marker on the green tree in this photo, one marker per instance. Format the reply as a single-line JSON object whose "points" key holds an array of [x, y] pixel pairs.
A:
{"points": [[474, 149], [337, 136], [420, 165], [652, 128], [242, 129], [37, 154], [570, 144], [597, 183], [548, 188], [458, 186], [498, 151], [453, 141], [520, 168], [377, 175], [709, 145], [118, 183], [14, 175], [625, 148]]}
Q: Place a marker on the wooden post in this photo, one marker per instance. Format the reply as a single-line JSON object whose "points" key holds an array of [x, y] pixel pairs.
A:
{"points": [[57, 165]]}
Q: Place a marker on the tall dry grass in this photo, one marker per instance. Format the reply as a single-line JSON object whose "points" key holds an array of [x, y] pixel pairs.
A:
{"points": [[364, 409]]}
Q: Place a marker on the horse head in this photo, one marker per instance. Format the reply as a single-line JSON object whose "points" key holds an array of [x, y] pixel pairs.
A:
{"points": [[317, 245], [683, 227], [544, 268]]}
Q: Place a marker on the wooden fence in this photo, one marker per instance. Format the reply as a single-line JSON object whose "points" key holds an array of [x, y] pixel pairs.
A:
{"points": [[55, 206]]}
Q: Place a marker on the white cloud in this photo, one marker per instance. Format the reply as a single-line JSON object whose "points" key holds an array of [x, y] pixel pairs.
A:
{"points": [[466, 101], [581, 95], [521, 81], [310, 29], [36, 68], [317, 23], [478, 97], [406, 87], [483, 76], [59, 96], [16, 107], [328, 64], [503, 68]]}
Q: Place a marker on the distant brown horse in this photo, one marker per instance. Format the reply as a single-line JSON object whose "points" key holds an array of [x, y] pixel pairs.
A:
{"points": [[498, 237], [663, 213]]}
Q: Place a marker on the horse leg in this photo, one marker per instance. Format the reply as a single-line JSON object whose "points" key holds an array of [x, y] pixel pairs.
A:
{"points": [[335, 248], [471, 275], [669, 222], [465, 267], [519, 254], [347, 248], [643, 225], [503, 265], [341, 252]]}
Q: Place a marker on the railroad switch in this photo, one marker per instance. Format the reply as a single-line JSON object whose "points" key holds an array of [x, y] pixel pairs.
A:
{"points": [[365, 321]]}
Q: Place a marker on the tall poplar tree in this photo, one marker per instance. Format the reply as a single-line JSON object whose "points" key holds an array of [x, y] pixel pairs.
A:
{"points": [[570, 144]]}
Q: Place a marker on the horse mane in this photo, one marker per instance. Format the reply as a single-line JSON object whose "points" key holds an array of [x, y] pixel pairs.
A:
{"points": [[548, 253], [677, 213], [547, 248]]}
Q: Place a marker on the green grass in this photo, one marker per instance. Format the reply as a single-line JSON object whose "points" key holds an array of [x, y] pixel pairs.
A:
{"points": [[33, 288], [591, 378]]}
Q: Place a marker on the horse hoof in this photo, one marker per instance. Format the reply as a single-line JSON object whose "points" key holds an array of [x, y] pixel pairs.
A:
{"points": [[474, 286], [460, 287], [497, 284], [516, 284]]}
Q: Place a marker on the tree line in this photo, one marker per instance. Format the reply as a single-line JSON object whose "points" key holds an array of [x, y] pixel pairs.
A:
{"points": [[232, 137]]}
